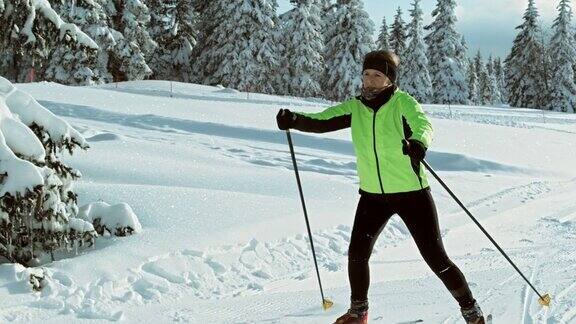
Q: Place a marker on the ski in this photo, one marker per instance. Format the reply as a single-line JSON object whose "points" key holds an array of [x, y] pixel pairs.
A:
{"points": [[488, 320]]}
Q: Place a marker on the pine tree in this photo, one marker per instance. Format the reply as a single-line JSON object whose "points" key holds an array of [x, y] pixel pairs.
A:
{"points": [[563, 50], [495, 96], [398, 40], [184, 42], [304, 46], [461, 54], [265, 49], [207, 54], [328, 10], [524, 71], [280, 36], [162, 23], [446, 67], [129, 21], [247, 47], [345, 51], [486, 91], [473, 84], [324, 5], [416, 78], [331, 30], [173, 28], [383, 42], [237, 45], [499, 72], [398, 34], [91, 17], [37, 202], [31, 32]]}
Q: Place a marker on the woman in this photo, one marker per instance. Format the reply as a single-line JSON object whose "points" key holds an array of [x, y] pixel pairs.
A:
{"points": [[391, 134]]}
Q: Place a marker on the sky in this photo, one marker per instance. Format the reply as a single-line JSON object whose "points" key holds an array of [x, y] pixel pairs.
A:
{"points": [[487, 25]]}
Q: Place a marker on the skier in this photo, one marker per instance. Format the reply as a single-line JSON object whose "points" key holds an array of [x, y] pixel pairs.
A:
{"points": [[390, 134]]}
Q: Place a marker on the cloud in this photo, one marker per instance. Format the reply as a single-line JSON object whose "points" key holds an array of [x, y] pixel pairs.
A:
{"points": [[499, 10]]}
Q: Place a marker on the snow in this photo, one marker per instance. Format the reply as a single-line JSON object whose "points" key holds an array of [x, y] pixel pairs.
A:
{"points": [[80, 225], [15, 137], [223, 238], [30, 111], [43, 6], [113, 217]]}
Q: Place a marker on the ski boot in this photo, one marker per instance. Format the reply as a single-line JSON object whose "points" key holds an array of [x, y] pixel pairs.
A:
{"points": [[473, 314], [352, 317]]}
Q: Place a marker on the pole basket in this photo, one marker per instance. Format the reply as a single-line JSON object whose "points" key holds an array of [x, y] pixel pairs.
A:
{"points": [[327, 304], [545, 300]]}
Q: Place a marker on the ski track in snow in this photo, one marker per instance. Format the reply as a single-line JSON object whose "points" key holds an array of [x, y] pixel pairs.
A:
{"points": [[246, 269], [519, 118], [221, 272], [441, 161]]}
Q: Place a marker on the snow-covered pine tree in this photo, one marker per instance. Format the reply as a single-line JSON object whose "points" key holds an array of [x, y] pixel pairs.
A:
{"points": [[486, 91], [546, 63], [473, 84], [499, 73], [327, 12], [208, 53], [446, 67], [303, 48], [496, 96], [67, 64], [383, 42], [237, 47], [173, 27], [37, 202], [185, 41], [416, 78], [563, 53], [264, 48], [345, 51], [398, 34], [398, 39], [524, 71], [247, 48], [161, 29], [129, 20], [30, 31], [462, 54], [281, 78], [325, 5], [330, 31]]}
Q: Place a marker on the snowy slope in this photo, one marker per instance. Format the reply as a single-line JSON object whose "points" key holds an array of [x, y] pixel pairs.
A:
{"points": [[223, 235]]}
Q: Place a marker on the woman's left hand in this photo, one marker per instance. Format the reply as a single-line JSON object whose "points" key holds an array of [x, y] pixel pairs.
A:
{"points": [[414, 149]]}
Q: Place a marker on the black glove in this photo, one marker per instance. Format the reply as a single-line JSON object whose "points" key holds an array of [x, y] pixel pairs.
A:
{"points": [[286, 119], [414, 149]]}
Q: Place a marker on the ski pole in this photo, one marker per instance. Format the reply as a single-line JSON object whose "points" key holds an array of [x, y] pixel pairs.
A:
{"points": [[326, 303], [543, 300]]}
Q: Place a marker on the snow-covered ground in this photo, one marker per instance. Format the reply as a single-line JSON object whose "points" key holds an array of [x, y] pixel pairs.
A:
{"points": [[223, 237]]}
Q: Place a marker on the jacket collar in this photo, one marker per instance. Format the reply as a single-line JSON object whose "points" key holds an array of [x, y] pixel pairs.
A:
{"points": [[380, 100]]}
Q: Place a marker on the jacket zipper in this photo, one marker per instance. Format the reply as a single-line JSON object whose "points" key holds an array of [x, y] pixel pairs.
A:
{"points": [[376, 153]]}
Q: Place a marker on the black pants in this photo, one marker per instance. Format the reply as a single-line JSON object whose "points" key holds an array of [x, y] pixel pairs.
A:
{"points": [[418, 212]]}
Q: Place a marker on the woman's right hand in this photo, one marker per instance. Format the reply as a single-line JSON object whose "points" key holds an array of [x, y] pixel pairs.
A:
{"points": [[285, 119]]}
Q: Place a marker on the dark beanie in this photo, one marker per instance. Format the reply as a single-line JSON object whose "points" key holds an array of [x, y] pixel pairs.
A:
{"points": [[382, 61]]}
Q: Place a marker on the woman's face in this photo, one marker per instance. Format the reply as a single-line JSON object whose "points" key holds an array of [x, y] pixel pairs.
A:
{"points": [[374, 79]]}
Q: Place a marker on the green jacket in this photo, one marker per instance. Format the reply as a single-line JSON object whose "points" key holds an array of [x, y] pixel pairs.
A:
{"points": [[377, 139]]}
